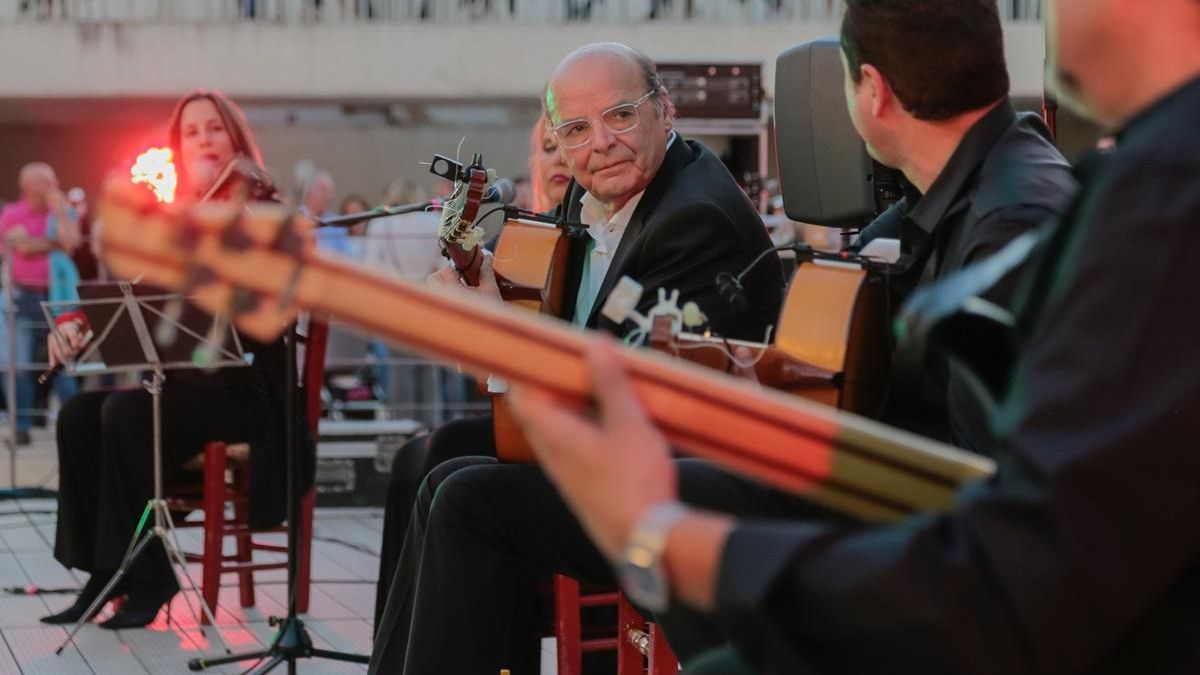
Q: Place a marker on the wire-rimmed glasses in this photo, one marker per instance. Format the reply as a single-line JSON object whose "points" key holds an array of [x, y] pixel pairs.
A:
{"points": [[618, 119]]}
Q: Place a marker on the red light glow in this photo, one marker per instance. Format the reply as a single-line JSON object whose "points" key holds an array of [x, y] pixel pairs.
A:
{"points": [[155, 168]]}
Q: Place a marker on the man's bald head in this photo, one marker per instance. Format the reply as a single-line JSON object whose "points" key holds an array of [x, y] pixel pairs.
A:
{"points": [[610, 112], [611, 57], [35, 180]]}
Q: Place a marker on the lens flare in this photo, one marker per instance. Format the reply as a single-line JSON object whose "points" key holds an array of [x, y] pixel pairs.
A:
{"points": [[155, 168]]}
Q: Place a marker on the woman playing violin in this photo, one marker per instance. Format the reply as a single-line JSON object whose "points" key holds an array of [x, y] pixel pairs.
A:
{"points": [[105, 438]]}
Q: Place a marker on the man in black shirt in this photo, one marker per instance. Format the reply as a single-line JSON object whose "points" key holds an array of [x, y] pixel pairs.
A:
{"points": [[1004, 177], [927, 91], [1082, 554]]}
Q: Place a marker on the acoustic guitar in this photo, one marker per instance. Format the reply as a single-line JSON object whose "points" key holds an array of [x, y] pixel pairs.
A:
{"points": [[832, 343], [530, 265], [260, 266]]}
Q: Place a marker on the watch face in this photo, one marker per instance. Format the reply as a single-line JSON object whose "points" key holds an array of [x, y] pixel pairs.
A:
{"points": [[645, 586]]}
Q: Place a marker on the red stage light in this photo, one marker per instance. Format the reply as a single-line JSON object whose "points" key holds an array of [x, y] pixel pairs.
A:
{"points": [[155, 168]]}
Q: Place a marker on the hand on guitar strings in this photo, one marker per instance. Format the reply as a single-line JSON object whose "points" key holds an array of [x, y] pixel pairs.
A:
{"points": [[448, 277], [610, 468]]}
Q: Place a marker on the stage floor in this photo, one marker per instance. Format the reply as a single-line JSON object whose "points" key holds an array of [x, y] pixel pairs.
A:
{"points": [[345, 566]]}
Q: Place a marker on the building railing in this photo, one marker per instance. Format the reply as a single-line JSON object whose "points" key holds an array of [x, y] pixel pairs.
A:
{"points": [[528, 11]]}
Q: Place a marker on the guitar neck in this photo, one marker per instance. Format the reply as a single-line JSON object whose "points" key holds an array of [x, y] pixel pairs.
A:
{"points": [[843, 461], [466, 261]]}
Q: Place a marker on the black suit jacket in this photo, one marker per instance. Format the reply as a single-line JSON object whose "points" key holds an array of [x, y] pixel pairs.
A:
{"points": [[692, 223]]}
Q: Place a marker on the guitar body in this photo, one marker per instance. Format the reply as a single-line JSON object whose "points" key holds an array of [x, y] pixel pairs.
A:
{"points": [[530, 264], [831, 343], [835, 318]]}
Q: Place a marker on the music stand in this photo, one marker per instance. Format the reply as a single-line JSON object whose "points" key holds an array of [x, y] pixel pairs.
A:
{"points": [[130, 345]]}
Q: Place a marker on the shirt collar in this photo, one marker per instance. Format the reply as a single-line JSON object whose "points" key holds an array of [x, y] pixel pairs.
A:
{"points": [[592, 215], [932, 208]]}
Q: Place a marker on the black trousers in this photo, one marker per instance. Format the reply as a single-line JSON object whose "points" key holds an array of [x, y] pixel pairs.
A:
{"points": [[106, 467], [414, 461], [481, 530]]}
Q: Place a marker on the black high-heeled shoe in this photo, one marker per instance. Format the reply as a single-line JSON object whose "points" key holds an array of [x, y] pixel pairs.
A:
{"points": [[87, 595], [142, 606]]}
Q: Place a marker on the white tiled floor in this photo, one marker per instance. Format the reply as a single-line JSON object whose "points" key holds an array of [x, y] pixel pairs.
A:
{"points": [[339, 617]]}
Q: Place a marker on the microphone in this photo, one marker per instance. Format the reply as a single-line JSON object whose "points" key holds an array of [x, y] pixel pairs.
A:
{"points": [[729, 286], [503, 191], [731, 291]]}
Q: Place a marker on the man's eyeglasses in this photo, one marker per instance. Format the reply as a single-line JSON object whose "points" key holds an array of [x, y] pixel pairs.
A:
{"points": [[617, 119]]}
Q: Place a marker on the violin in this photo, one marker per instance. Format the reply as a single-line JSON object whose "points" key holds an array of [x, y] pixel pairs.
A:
{"points": [[241, 180]]}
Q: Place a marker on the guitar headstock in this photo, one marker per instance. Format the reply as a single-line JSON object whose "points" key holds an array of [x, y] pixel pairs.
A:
{"points": [[459, 236], [220, 254]]}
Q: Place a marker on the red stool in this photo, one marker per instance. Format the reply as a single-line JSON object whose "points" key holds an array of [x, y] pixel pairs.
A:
{"points": [[641, 648], [226, 480]]}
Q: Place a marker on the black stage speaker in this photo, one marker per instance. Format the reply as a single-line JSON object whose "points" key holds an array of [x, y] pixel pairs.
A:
{"points": [[825, 174]]}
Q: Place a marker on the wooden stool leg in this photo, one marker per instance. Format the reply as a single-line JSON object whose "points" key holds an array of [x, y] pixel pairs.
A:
{"points": [[568, 634], [241, 518], [214, 525]]}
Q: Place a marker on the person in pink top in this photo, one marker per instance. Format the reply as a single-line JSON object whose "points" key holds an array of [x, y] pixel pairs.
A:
{"points": [[38, 223]]}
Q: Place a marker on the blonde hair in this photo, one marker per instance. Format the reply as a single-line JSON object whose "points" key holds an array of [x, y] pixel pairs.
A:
{"points": [[536, 138]]}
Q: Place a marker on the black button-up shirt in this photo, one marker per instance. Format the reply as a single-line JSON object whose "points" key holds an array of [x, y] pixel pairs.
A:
{"points": [[1005, 177], [1082, 555]]}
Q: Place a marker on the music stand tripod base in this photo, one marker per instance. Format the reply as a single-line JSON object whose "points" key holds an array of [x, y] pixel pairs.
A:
{"points": [[163, 528], [148, 357]]}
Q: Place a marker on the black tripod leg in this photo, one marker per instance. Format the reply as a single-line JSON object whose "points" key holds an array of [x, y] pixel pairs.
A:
{"points": [[202, 662], [268, 666], [340, 656]]}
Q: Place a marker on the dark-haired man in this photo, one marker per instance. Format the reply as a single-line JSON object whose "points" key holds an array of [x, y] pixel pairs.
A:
{"points": [[1082, 554], [927, 88]]}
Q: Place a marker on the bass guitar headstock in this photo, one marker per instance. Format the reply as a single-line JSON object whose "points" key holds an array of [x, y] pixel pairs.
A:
{"points": [[220, 254]]}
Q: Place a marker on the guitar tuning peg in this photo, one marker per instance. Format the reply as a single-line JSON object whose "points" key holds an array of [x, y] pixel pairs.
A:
{"points": [[692, 316], [243, 301], [235, 237], [189, 233], [288, 238]]}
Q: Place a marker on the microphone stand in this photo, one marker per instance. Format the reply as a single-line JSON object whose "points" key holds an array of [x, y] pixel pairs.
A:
{"points": [[292, 640], [571, 229], [729, 286], [379, 212]]}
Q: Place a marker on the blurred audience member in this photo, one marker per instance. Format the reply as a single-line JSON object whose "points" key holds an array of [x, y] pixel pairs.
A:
{"points": [[354, 203], [31, 229], [406, 245], [85, 260], [316, 202], [316, 198]]}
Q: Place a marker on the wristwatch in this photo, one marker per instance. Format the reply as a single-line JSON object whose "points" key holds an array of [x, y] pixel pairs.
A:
{"points": [[640, 570]]}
